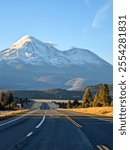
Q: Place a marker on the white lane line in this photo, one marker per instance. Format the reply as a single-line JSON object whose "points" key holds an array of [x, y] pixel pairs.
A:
{"points": [[101, 119], [40, 122], [29, 134], [16, 119]]}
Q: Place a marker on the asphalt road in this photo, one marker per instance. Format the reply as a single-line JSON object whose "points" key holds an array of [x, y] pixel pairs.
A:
{"points": [[47, 129]]}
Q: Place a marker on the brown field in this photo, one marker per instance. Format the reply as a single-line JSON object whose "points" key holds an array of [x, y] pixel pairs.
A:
{"points": [[6, 114], [99, 111]]}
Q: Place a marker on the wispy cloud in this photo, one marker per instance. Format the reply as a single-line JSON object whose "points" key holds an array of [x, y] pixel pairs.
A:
{"points": [[76, 83], [19, 66], [100, 15], [44, 79], [52, 43]]}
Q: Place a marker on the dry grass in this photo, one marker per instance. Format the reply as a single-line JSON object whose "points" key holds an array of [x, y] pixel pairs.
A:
{"points": [[99, 111], [6, 114]]}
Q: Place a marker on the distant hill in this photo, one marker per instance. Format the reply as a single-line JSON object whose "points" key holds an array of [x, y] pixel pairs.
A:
{"points": [[57, 93], [48, 94]]}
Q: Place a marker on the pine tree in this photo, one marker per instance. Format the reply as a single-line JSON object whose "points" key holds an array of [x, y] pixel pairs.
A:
{"points": [[69, 104], [102, 98], [10, 98], [2, 95], [75, 103], [87, 98], [95, 100], [104, 94]]}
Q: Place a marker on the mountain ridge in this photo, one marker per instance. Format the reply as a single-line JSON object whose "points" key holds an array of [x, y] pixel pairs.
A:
{"points": [[29, 49], [32, 64]]}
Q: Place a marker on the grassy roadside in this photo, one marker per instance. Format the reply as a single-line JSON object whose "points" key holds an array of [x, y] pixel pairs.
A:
{"points": [[13, 113], [99, 111]]}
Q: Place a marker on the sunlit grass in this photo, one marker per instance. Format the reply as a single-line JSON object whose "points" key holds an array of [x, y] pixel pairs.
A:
{"points": [[7, 114], [100, 111]]}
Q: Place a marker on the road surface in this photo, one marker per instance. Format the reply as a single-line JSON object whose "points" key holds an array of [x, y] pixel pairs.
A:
{"points": [[49, 129]]}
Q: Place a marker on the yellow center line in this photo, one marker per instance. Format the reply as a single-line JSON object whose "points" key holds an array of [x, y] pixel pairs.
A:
{"points": [[46, 112], [102, 147], [58, 113], [105, 148], [51, 114], [70, 119], [73, 121], [99, 147]]}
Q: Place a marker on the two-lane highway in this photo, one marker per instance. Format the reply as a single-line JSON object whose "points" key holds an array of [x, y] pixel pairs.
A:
{"points": [[47, 129], [15, 129], [99, 130]]}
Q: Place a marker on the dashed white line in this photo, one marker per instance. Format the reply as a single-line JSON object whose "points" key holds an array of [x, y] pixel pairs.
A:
{"points": [[40, 122], [29, 134]]}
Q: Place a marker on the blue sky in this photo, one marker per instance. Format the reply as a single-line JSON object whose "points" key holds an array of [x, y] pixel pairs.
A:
{"points": [[79, 23]]}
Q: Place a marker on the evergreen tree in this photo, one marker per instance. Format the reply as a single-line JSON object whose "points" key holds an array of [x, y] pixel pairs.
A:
{"points": [[111, 103], [10, 98], [102, 98], [2, 96], [69, 104], [95, 100], [87, 98], [75, 103]]}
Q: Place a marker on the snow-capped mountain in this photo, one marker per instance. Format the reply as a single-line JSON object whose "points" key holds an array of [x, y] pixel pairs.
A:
{"points": [[32, 51], [50, 67]]}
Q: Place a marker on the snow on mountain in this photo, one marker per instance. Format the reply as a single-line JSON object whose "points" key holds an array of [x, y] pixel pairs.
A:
{"points": [[32, 64], [32, 51], [80, 56]]}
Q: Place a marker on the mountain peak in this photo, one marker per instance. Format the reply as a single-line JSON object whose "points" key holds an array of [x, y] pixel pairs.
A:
{"points": [[27, 38], [30, 50], [22, 41], [31, 63]]}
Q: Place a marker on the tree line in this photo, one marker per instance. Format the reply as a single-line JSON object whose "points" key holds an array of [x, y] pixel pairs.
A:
{"points": [[8, 101], [101, 98]]}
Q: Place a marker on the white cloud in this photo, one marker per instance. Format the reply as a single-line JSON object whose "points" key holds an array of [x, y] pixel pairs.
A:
{"points": [[19, 66], [76, 83], [44, 79], [52, 43], [100, 15]]}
